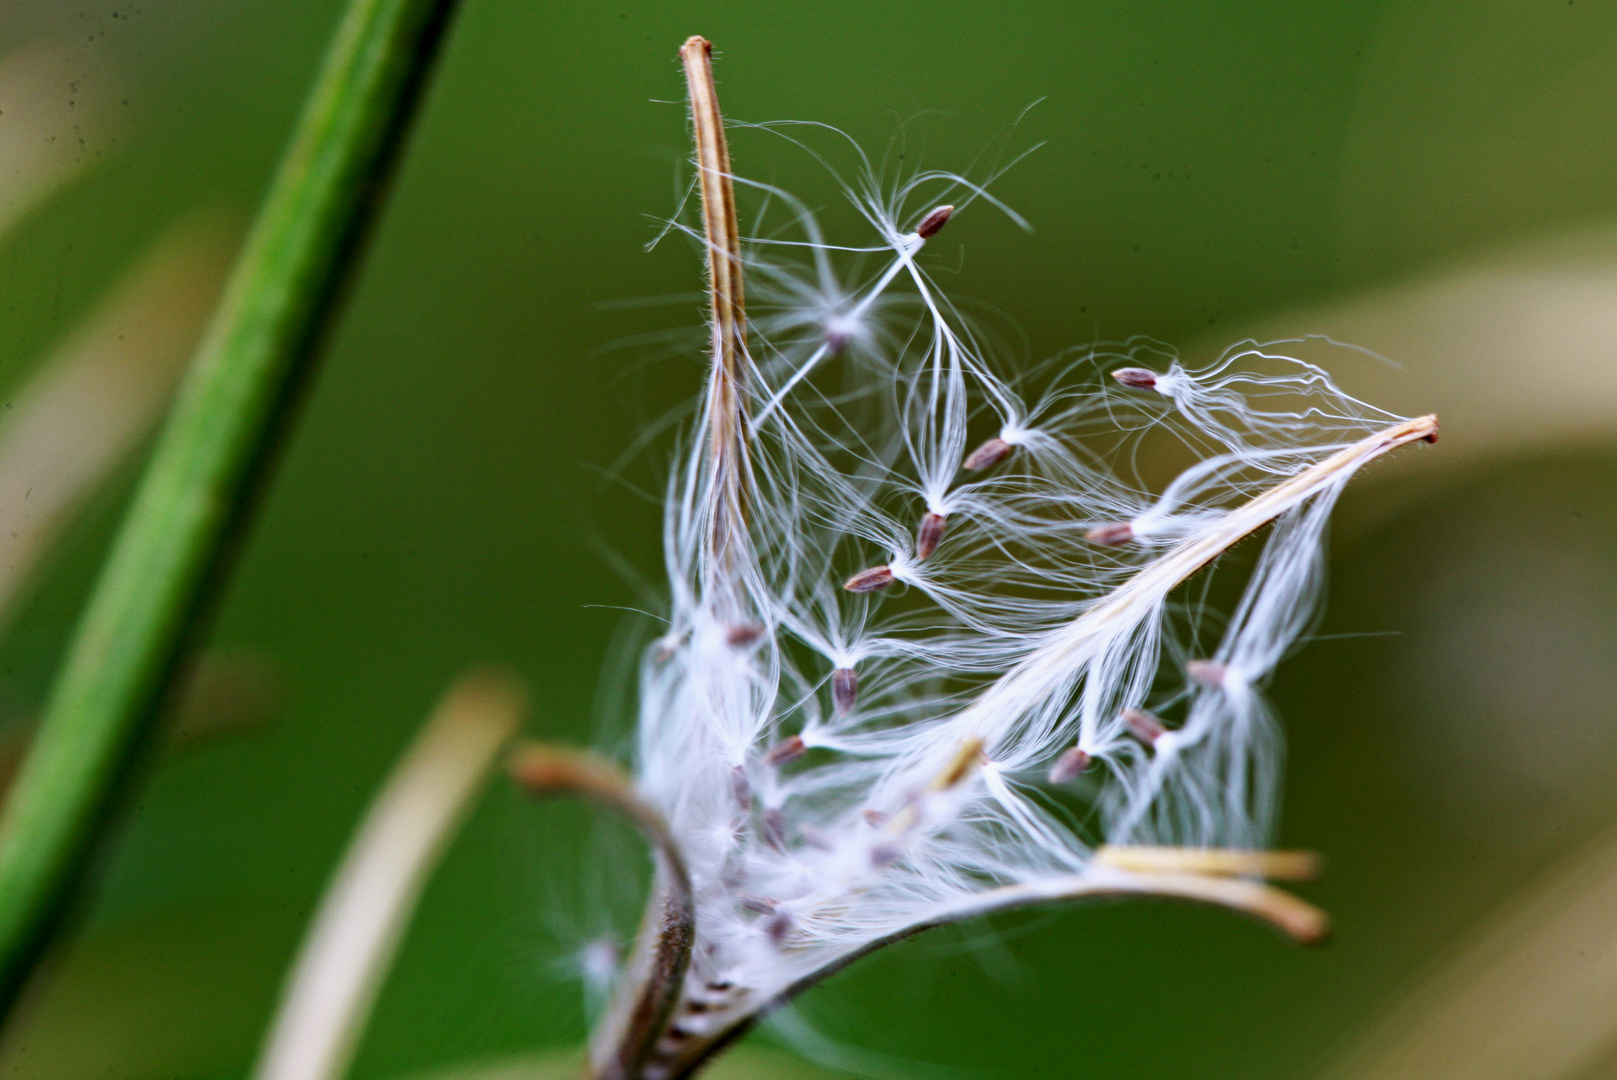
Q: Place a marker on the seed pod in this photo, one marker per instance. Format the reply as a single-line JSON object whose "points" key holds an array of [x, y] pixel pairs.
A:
{"points": [[1115, 534], [936, 218], [1143, 726], [844, 689], [988, 454], [877, 577], [1072, 762], [1138, 378], [785, 751], [930, 533], [1207, 673]]}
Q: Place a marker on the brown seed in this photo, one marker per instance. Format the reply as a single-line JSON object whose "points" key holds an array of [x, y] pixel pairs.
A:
{"points": [[936, 218], [1207, 673], [763, 905], [1068, 765], [741, 787], [930, 533], [988, 454], [877, 577], [1114, 534], [774, 829], [1143, 726], [785, 751], [739, 636], [844, 689], [1138, 377], [874, 818]]}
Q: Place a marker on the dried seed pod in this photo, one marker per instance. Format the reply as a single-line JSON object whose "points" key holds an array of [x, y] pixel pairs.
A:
{"points": [[936, 218], [1072, 762], [877, 577], [1137, 377], [1207, 673], [1115, 534], [785, 751], [844, 689], [988, 454], [930, 534], [1143, 726]]}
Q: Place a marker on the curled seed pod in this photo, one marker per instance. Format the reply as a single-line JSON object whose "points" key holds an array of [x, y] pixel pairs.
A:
{"points": [[936, 218], [877, 577], [785, 751], [1138, 378], [987, 455], [1072, 762], [1143, 726], [1115, 534], [844, 689], [929, 535]]}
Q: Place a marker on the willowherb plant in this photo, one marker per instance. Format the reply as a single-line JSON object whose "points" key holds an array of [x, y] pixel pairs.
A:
{"points": [[911, 676]]}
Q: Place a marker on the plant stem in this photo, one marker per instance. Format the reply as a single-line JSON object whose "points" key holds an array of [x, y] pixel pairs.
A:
{"points": [[147, 607]]}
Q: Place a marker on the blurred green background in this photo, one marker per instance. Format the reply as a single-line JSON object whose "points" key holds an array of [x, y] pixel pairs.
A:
{"points": [[1432, 181]]}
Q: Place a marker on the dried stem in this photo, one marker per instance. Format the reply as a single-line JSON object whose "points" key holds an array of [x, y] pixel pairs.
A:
{"points": [[726, 404], [365, 910], [652, 982], [1296, 918], [656, 972], [1221, 862]]}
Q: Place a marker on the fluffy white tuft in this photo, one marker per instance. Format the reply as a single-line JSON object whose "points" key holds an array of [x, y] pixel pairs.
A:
{"points": [[841, 765]]}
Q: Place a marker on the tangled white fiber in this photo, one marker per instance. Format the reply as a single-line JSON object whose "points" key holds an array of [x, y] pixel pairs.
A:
{"points": [[925, 656]]}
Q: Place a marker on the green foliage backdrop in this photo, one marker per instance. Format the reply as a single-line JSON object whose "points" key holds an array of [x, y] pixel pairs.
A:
{"points": [[452, 494]]}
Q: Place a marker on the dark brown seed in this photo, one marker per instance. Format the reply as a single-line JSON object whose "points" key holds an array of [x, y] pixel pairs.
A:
{"points": [[877, 577], [774, 829], [930, 533], [785, 751], [740, 787], [739, 636], [936, 218], [1068, 765], [988, 454], [763, 905], [1138, 377], [1113, 535], [844, 689], [1207, 673], [1143, 726], [884, 855], [779, 928]]}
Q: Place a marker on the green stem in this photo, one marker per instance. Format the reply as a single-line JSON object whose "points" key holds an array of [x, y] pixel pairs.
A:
{"points": [[171, 553]]}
